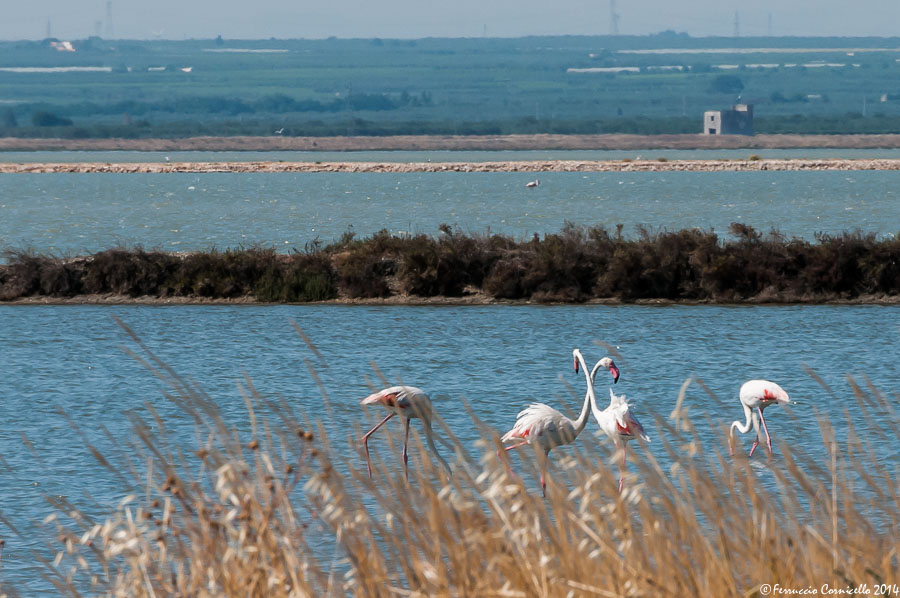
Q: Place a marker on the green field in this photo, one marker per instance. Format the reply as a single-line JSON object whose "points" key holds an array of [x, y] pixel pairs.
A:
{"points": [[449, 86]]}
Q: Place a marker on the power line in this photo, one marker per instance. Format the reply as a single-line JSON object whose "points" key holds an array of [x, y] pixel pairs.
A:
{"points": [[109, 23], [613, 18]]}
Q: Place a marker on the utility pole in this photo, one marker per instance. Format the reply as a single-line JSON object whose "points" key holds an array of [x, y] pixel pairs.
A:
{"points": [[769, 27], [109, 25], [613, 18], [737, 24], [48, 28]]}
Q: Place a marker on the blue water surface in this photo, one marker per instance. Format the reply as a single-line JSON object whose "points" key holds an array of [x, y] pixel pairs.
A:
{"points": [[74, 214], [498, 358]]}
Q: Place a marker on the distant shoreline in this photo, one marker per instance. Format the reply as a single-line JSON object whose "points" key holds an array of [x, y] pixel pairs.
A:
{"points": [[459, 143], [530, 166]]}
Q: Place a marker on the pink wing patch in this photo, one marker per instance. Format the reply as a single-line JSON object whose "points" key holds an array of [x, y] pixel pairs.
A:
{"points": [[517, 433], [632, 427]]}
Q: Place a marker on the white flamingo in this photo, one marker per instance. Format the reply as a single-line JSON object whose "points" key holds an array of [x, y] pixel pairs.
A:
{"points": [[757, 394], [533, 183], [407, 402], [547, 428], [619, 423]]}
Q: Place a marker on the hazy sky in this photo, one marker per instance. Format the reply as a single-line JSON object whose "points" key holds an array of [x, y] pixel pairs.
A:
{"points": [[179, 19]]}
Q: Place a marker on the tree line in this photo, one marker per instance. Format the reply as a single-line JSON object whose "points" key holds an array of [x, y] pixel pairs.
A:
{"points": [[44, 124]]}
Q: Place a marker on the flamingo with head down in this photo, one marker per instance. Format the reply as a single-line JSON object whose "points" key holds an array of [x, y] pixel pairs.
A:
{"points": [[546, 428], [757, 394], [408, 402]]}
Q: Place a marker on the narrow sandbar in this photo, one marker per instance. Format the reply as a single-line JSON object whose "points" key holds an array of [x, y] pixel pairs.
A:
{"points": [[664, 165]]}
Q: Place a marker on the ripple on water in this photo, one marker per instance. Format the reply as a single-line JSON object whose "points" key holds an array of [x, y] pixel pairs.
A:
{"points": [[268, 208]]}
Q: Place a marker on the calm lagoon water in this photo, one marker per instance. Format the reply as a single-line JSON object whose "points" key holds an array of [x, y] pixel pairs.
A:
{"points": [[75, 214], [499, 358]]}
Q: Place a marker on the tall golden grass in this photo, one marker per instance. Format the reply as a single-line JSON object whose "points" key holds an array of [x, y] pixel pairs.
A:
{"points": [[283, 510]]}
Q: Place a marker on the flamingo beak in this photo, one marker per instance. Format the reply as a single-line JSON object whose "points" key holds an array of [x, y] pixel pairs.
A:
{"points": [[615, 373], [576, 366]]}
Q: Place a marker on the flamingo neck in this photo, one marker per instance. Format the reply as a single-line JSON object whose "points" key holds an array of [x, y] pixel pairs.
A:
{"points": [[429, 438], [600, 415], [589, 398], [745, 427]]}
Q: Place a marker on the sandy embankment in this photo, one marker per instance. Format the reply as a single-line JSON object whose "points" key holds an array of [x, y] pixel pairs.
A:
{"points": [[508, 166]]}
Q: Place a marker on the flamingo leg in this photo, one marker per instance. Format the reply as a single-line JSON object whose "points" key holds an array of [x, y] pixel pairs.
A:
{"points": [[515, 446], [766, 429], [406, 451], [544, 472], [509, 448], [365, 441], [755, 444], [622, 471]]}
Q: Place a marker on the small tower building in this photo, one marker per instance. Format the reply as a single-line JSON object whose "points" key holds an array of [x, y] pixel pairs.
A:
{"points": [[737, 121]]}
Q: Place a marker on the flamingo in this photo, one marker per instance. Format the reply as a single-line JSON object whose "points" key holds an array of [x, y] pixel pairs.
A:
{"points": [[757, 394], [547, 428], [407, 402], [533, 183], [619, 423]]}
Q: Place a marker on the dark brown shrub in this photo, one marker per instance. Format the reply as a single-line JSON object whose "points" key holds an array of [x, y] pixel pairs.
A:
{"points": [[297, 278], [132, 272], [444, 267], [622, 277], [22, 275], [363, 274], [881, 267], [60, 279], [664, 266], [573, 265], [835, 265], [561, 269], [228, 274], [422, 272], [506, 278], [27, 274]]}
